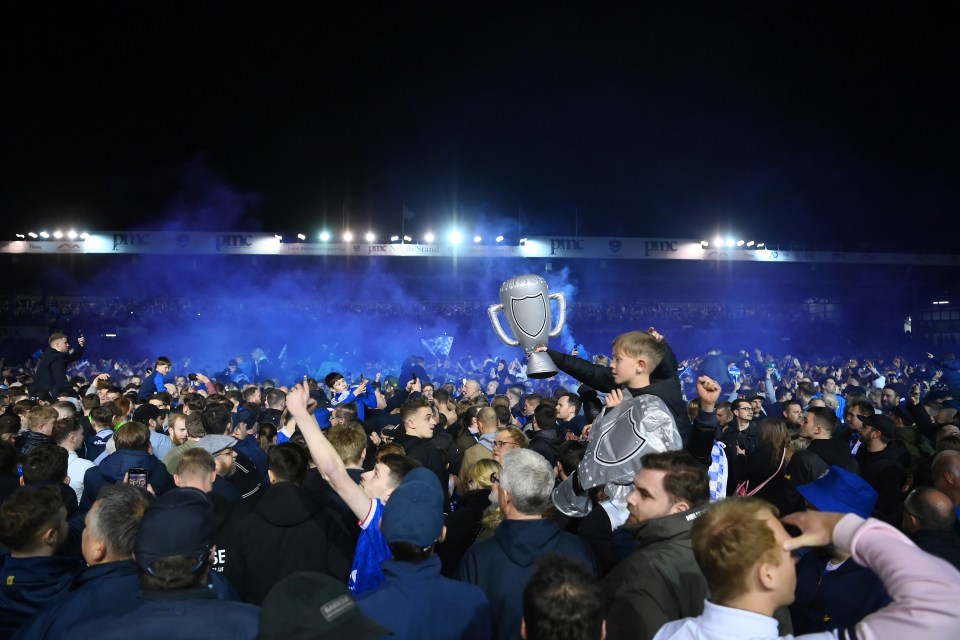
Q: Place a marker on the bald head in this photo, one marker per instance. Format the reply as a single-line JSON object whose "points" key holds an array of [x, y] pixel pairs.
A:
{"points": [[487, 420], [929, 509], [946, 474]]}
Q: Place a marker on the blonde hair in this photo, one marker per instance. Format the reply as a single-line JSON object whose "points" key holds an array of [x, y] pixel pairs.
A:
{"points": [[479, 475], [638, 343], [729, 540]]}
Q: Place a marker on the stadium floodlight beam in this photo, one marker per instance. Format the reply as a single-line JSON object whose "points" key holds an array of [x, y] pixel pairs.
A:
{"points": [[428, 237], [729, 242], [718, 241], [301, 236], [455, 237], [72, 234], [477, 239], [347, 236], [58, 234], [750, 244], [499, 238], [44, 235], [369, 237], [324, 236], [739, 243]]}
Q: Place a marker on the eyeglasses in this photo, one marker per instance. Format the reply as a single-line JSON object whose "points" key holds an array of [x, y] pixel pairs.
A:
{"points": [[494, 478], [503, 443]]}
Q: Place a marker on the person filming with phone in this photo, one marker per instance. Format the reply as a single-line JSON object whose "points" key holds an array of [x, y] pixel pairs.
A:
{"points": [[51, 375]]}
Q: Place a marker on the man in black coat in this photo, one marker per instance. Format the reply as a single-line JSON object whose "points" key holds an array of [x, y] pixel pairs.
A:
{"points": [[823, 452], [929, 520], [51, 374], [289, 531]]}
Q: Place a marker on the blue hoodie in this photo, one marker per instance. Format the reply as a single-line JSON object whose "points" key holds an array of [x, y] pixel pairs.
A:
{"points": [[27, 585], [112, 469]]}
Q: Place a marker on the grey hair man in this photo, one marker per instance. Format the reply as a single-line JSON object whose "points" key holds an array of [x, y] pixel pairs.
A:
{"points": [[502, 564], [109, 582]]}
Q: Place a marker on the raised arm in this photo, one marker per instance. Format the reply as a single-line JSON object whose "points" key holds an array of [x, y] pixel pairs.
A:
{"points": [[324, 455]]}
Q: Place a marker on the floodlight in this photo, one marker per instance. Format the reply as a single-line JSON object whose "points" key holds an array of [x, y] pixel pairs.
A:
{"points": [[394, 238], [369, 237], [428, 237], [72, 234], [324, 236], [347, 236], [32, 234], [729, 242], [739, 243], [44, 235], [455, 237], [84, 235], [300, 236], [499, 238], [750, 244], [477, 239], [407, 239], [704, 244], [58, 234]]}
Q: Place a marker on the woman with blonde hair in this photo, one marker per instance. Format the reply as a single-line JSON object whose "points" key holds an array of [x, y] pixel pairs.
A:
{"points": [[464, 524]]}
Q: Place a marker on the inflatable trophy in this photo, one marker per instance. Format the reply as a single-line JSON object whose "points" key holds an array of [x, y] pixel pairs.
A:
{"points": [[526, 305]]}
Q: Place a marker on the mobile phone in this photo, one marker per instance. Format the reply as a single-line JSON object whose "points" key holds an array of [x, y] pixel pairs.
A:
{"points": [[414, 374], [137, 476], [192, 376]]}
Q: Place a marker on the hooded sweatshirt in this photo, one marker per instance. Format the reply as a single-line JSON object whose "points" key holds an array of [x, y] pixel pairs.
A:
{"points": [[501, 566], [112, 469], [288, 531], [811, 463]]}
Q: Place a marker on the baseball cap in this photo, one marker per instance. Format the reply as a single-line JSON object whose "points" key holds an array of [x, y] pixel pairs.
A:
{"points": [[180, 523], [840, 491], [414, 512], [881, 423], [307, 606], [215, 444]]}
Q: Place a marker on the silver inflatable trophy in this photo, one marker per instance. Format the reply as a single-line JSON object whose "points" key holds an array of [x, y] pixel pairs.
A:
{"points": [[526, 304]]}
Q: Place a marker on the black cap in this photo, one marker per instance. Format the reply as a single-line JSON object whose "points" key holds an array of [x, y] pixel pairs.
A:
{"points": [[179, 523], [881, 423], [313, 606]]}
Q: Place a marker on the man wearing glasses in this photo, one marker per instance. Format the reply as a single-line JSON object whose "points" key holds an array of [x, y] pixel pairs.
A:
{"points": [[742, 435], [507, 440]]}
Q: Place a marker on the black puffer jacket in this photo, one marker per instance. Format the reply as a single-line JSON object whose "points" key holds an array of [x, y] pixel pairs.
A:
{"points": [[657, 583]]}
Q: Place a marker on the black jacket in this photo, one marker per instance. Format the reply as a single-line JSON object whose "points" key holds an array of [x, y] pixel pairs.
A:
{"points": [[811, 463], [659, 582], [430, 456], [28, 440], [463, 526], [546, 443], [886, 473], [51, 374], [287, 532], [943, 544], [664, 381]]}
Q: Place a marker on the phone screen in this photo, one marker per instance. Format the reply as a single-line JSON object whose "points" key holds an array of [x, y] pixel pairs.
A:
{"points": [[137, 477]]}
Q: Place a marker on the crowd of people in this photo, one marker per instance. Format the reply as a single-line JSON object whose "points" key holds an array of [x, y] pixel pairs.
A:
{"points": [[728, 495]]}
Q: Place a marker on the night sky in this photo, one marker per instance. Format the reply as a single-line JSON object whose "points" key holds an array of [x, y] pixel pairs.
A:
{"points": [[831, 123]]}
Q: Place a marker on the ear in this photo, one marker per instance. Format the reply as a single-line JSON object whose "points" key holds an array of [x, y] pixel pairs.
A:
{"points": [[21, 482], [523, 628], [679, 507], [50, 537], [271, 477], [766, 573], [176, 479], [99, 550], [443, 534]]}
